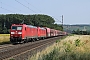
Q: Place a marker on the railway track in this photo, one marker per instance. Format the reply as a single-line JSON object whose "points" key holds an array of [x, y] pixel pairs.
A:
{"points": [[5, 46], [18, 51]]}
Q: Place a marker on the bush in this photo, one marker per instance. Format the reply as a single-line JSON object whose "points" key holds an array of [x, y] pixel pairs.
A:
{"points": [[53, 55], [77, 42]]}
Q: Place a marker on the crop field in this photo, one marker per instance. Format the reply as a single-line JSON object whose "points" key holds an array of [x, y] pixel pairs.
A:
{"points": [[75, 47], [4, 38]]}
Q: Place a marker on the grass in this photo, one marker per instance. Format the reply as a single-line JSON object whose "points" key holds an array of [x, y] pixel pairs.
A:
{"points": [[75, 47], [11, 59], [71, 34], [4, 39]]}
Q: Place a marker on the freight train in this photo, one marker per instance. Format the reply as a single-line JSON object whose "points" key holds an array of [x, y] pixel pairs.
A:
{"points": [[23, 33]]}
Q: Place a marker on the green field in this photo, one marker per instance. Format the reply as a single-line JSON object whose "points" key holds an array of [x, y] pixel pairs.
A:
{"points": [[4, 38]]}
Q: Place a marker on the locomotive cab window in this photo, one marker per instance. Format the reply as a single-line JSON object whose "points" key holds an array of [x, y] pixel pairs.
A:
{"points": [[19, 28], [16, 27]]}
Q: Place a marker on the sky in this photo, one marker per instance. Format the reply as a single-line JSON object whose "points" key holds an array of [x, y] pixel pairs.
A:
{"points": [[73, 11]]}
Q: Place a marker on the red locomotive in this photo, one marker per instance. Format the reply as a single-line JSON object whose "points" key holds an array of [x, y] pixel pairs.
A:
{"points": [[25, 33]]}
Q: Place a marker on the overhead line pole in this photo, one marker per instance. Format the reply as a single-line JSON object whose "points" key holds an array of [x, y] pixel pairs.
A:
{"points": [[62, 22]]}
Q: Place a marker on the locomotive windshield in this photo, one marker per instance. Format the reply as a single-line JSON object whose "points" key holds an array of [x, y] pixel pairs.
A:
{"points": [[16, 27]]}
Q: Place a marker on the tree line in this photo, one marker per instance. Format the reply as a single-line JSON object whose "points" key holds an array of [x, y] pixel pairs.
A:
{"points": [[81, 32], [36, 20]]}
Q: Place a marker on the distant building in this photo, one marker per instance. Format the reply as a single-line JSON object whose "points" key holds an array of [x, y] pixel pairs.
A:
{"points": [[84, 29]]}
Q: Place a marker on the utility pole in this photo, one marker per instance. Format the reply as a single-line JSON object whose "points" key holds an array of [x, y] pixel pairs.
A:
{"points": [[62, 22]]}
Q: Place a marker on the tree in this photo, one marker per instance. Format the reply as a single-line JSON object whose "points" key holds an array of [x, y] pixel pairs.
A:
{"points": [[36, 20]]}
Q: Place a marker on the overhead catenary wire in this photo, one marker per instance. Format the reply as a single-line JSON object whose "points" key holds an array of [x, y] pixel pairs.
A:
{"points": [[6, 9], [57, 19], [40, 11], [32, 5], [25, 6], [10, 6]]}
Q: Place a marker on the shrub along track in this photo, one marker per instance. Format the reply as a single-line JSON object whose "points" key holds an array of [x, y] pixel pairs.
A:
{"points": [[22, 52]]}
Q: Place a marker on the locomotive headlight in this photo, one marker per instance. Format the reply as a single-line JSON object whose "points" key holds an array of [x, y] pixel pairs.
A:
{"points": [[12, 32], [19, 32], [11, 35]]}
